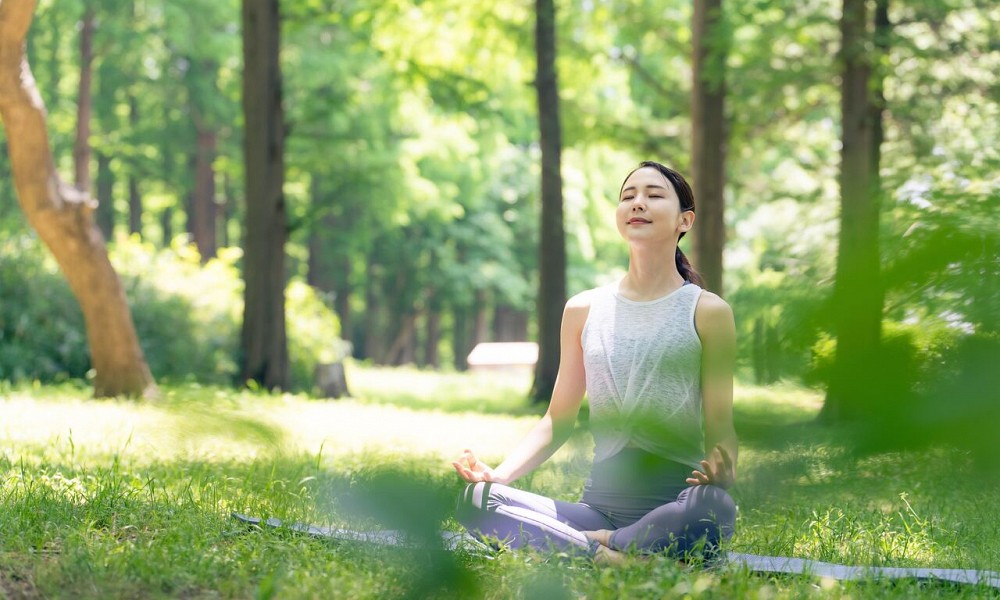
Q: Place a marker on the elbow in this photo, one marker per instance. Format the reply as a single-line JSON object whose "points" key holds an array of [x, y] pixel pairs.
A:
{"points": [[562, 428]]}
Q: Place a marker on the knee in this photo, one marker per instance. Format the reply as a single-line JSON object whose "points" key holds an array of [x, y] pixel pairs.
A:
{"points": [[473, 501], [712, 504], [473, 498]]}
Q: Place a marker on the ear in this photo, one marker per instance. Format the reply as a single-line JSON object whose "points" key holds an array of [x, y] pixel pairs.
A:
{"points": [[687, 220]]}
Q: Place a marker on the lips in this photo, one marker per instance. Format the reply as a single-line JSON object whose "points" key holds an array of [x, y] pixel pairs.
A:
{"points": [[635, 220]]}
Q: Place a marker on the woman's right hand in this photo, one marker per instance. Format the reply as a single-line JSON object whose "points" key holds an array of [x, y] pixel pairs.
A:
{"points": [[471, 469]]}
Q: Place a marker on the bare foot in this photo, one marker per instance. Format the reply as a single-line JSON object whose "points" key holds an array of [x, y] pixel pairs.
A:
{"points": [[607, 556], [601, 536]]}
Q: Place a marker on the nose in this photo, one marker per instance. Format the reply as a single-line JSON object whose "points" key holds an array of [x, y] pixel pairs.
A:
{"points": [[638, 204]]}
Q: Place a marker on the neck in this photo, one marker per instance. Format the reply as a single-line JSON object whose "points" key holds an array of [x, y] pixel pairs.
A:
{"points": [[652, 273]]}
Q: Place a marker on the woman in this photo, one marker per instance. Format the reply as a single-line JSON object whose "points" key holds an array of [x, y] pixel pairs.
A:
{"points": [[655, 354]]}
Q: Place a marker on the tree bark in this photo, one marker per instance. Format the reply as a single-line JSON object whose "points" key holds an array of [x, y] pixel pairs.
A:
{"points": [[852, 393], [480, 323], [134, 196], [372, 342], [431, 357], [552, 245], [63, 218], [708, 141], [460, 337], [167, 226], [263, 339], [399, 352], [84, 103], [203, 208], [509, 324], [203, 196], [105, 196]]}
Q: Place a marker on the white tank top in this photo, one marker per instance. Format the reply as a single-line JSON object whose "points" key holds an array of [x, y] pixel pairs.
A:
{"points": [[643, 366]]}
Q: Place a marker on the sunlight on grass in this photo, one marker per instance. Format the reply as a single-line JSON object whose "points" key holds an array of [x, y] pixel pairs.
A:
{"points": [[212, 424], [145, 489], [481, 392]]}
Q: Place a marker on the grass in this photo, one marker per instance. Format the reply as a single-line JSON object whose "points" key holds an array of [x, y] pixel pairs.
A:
{"points": [[119, 499]]}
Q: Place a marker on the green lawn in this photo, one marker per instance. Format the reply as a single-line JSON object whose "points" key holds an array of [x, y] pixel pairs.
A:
{"points": [[121, 499]]}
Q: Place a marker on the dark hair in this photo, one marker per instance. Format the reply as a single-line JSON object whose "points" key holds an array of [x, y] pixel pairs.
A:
{"points": [[686, 197]]}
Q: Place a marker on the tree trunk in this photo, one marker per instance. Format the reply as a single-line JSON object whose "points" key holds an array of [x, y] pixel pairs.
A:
{"points": [[480, 324], [342, 301], [134, 196], [263, 339], [509, 324], [167, 154], [460, 337], [373, 345], [552, 246], [319, 273], [84, 104], [852, 393], [708, 140], [226, 209], [877, 107], [433, 338], [134, 206], [398, 354], [167, 225], [105, 196], [63, 218], [203, 196]]}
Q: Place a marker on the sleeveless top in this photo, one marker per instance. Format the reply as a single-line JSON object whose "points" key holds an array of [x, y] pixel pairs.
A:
{"points": [[643, 370]]}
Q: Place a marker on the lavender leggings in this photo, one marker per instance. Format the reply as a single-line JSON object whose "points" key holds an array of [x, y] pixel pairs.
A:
{"points": [[691, 519]]}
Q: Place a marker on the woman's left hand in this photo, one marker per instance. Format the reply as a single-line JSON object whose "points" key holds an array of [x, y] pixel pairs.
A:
{"points": [[717, 469]]}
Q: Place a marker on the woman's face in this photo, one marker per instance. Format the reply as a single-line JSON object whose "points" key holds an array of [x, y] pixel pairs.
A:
{"points": [[649, 209]]}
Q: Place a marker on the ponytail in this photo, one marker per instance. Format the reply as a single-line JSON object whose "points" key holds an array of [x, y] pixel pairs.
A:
{"points": [[686, 270]]}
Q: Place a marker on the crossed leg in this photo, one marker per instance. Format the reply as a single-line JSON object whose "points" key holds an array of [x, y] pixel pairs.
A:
{"points": [[520, 518], [701, 515]]}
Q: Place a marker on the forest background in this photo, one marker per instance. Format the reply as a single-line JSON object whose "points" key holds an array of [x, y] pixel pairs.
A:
{"points": [[412, 167]]}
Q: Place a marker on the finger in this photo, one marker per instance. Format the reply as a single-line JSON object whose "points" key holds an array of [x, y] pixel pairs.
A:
{"points": [[697, 478], [462, 471], [708, 469]]}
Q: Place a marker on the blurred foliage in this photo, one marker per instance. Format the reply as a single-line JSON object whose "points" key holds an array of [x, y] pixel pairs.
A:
{"points": [[41, 327], [186, 314], [412, 169]]}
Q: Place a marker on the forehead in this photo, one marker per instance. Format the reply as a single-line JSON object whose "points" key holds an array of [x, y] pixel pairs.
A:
{"points": [[645, 177]]}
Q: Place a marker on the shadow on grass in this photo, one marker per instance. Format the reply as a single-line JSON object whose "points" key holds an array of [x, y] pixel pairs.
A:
{"points": [[197, 418]]}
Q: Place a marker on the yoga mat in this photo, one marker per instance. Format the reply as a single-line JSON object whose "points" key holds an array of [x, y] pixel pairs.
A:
{"points": [[752, 562]]}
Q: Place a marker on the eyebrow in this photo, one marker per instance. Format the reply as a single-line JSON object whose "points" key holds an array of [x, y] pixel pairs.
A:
{"points": [[632, 187]]}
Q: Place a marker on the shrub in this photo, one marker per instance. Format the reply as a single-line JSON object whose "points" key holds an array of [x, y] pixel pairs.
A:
{"points": [[912, 351], [41, 326], [187, 315]]}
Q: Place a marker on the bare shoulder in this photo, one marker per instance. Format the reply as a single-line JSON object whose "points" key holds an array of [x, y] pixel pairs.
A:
{"points": [[581, 300], [578, 307], [713, 314]]}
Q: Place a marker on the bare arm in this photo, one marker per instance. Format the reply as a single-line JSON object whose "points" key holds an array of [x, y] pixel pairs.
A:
{"points": [[717, 330], [555, 427]]}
